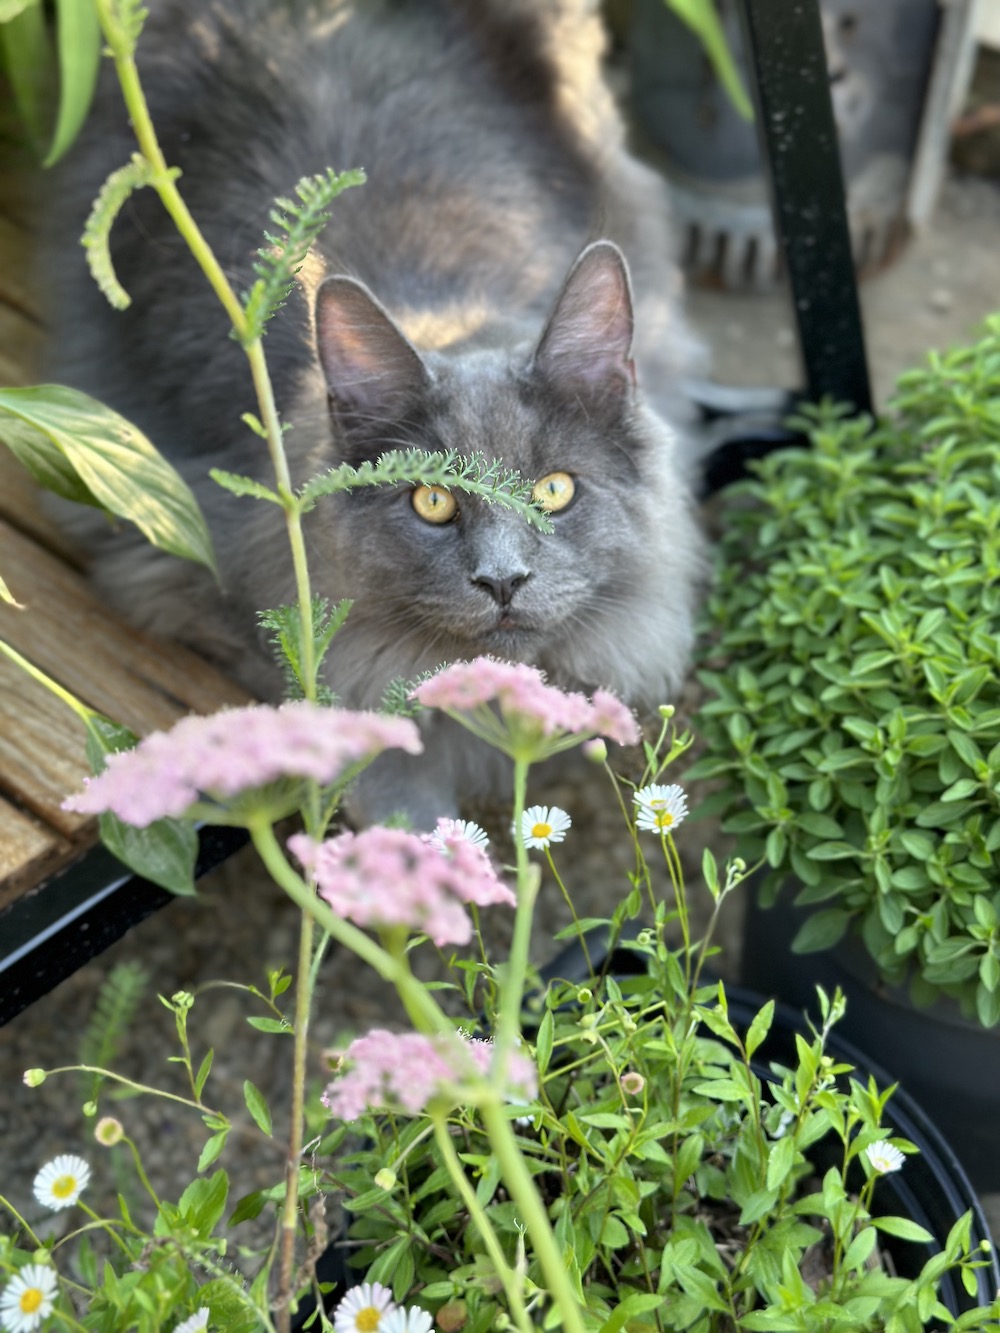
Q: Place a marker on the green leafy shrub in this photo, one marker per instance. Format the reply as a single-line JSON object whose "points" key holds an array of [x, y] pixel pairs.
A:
{"points": [[854, 657]]}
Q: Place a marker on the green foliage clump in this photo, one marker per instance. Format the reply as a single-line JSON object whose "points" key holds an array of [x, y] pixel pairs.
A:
{"points": [[853, 652]]}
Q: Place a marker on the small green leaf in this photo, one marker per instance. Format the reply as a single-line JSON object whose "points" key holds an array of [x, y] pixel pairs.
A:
{"points": [[247, 1208], [543, 1041], [904, 1228], [240, 485], [632, 1307], [860, 1249], [203, 1203], [822, 930], [780, 1162], [270, 1025], [760, 1027], [204, 1070], [257, 1106], [212, 1149]]}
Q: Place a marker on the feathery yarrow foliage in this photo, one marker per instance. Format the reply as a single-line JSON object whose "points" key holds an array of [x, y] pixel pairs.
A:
{"points": [[854, 658], [117, 1002], [114, 193], [298, 224], [472, 473]]}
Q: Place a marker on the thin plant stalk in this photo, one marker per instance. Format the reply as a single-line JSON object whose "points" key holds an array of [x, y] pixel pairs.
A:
{"points": [[480, 1218], [122, 52]]}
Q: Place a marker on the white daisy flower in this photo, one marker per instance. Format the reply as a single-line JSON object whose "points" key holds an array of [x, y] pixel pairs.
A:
{"points": [[459, 828], [61, 1182], [196, 1323], [407, 1320], [364, 1309], [660, 809], [884, 1157], [27, 1298], [543, 825]]}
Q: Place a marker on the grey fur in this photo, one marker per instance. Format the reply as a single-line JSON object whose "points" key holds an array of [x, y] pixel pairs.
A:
{"points": [[495, 156]]}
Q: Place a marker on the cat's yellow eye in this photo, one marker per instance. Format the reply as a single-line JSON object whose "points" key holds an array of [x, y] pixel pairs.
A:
{"points": [[553, 491], [434, 504]]}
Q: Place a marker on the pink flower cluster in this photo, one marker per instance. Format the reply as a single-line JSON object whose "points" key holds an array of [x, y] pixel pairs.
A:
{"points": [[235, 750], [388, 877], [522, 691], [406, 1069]]}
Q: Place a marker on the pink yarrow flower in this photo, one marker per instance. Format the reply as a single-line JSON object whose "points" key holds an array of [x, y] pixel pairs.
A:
{"points": [[405, 1070], [529, 707], [389, 877], [236, 750]]}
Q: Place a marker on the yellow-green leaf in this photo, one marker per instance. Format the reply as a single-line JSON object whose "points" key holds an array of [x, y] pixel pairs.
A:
{"points": [[118, 465]]}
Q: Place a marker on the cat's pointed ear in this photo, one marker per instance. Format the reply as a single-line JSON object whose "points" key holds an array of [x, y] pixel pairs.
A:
{"points": [[371, 368], [586, 348]]}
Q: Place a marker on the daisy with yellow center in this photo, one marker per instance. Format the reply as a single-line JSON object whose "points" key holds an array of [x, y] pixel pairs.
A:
{"points": [[27, 1298], [660, 809], [363, 1309], [542, 825], [884, 1157], [61, 1182]]}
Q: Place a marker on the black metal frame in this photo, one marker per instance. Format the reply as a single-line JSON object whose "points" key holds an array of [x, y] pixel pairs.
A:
{"points": [[77, 914], [47, 935]]}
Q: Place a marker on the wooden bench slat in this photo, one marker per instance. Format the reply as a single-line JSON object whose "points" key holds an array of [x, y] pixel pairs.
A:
{"points": [[132, 678], [140, 681], [29, 852]]}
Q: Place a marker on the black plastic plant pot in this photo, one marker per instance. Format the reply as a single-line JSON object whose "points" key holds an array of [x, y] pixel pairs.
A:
{"points": [[932, 1190], [950, 1064]]}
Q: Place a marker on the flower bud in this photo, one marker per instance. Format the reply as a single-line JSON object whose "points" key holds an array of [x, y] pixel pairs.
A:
{"points": [[385, 1178], [90, 1109], [596, 750], [452, 1316], [109, 1131], [33, 1077], [584, 994], [666, 711], [588, 1020]]}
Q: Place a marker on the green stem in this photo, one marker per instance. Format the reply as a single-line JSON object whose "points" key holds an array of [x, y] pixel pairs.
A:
{"points": [[290, 1212], [173, 201], [104, 1225], [200, 1107], [140, 1171], [581, 935], [6, 1203], [525, 1194], [514, 974], [511, 1280]]}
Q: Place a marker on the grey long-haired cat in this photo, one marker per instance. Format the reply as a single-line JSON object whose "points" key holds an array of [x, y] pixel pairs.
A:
{"points": [[473, 295]]}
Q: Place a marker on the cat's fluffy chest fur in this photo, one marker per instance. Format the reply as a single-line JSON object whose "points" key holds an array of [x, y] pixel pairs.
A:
{"points": [[436, 311]]}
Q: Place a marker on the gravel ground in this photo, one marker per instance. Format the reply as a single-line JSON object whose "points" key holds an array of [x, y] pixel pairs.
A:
{"points": [[240, 924]]}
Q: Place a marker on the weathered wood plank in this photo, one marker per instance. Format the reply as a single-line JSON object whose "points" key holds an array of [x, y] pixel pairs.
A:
{"points": [[30, 852], [75, 639], [132, 677]]}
